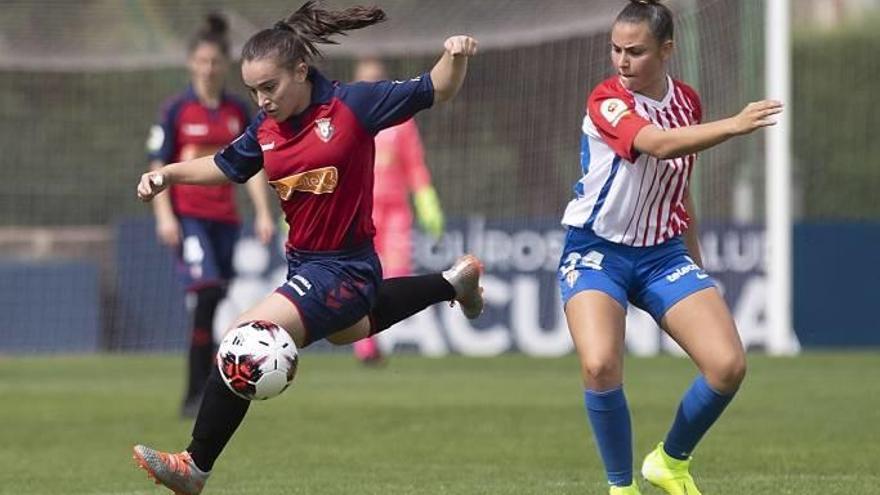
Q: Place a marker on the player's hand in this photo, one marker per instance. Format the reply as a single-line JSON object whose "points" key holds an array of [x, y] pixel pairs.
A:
{"points": [[756, 115], [151, 184], [460, 45], [168, 231], [264, 228]]}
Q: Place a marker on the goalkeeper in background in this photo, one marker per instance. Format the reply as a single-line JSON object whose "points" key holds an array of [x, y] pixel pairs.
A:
{"points": [[200, 223], [400, 170]]}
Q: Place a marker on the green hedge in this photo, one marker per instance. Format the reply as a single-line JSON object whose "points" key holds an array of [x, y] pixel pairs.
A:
{"points": [[836, 112]]}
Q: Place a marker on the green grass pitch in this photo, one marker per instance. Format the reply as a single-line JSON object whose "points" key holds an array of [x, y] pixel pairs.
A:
{"points": [[508, 425]]}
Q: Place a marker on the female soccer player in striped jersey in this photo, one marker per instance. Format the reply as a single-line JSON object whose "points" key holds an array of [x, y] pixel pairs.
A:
{"points": [[201, 222], [314, 139], [632, 238]]}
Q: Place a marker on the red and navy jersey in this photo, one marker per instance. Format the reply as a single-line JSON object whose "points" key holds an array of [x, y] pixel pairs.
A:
{"points": [[186, 130], [320, 162]]}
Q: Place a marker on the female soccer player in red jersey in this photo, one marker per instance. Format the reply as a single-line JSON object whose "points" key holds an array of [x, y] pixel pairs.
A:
{"points": [[400, 170], [314, 139], [201, 223], [632, 238]]}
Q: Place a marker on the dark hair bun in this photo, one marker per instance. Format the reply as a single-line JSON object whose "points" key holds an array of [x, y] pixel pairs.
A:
{"points": [[216, 24]]}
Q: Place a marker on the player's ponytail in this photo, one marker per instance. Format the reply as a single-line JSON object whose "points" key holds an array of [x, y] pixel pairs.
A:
{"points": [[655, 14], [214, 30], [295, 38]]}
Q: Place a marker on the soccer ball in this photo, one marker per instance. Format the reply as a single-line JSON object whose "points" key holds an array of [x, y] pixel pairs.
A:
{"points": [[257, 360]]}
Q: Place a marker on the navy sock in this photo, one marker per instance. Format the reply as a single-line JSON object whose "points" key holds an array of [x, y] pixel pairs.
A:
{"points": [[699, 408], [609, 417], [399, 298], [219, 416]]}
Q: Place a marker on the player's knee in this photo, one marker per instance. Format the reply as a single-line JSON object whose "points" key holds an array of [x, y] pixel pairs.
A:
{"points": [[601, 372], [727, 373]]}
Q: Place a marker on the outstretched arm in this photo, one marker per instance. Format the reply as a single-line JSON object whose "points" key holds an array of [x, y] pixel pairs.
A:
{"points": [[448, 74], [683, 141], [201, 171]]}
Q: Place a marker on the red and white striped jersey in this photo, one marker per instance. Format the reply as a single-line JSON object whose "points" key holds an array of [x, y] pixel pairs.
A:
{"points": [[625, 196]]}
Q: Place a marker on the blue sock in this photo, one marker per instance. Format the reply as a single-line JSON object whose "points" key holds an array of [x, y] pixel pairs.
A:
{"points": [[609, 417], [699, 408]]}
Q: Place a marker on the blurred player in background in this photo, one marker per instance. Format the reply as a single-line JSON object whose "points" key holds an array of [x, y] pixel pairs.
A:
{"points": [[632, 237], [201, 223], [400, 170], [314, 138]]}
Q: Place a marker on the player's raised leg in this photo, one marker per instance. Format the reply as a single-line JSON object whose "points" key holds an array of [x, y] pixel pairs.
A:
{"points": [[702, 325], [399, 298]]}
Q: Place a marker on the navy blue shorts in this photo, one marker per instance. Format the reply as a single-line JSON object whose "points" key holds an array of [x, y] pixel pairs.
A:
{"points": [[653, 278], [332, 290], [205, 255]]}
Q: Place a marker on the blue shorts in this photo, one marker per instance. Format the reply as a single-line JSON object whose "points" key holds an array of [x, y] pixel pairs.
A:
{"points": [[332, 290], [652, 278], [205, 255]]}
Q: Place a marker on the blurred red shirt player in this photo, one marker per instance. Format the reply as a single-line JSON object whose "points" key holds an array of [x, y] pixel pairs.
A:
{"points": [[201, 223]]}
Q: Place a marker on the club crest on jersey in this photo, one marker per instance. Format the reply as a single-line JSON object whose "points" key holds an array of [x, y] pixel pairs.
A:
{"points": [[613, 109], [324, 128]]}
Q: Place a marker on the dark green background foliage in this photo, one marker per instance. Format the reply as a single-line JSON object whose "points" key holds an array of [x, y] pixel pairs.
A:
{"points": [[836, 120]]}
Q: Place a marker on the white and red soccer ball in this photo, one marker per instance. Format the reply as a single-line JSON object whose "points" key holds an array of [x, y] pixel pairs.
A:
{"points": [[257, 360]]}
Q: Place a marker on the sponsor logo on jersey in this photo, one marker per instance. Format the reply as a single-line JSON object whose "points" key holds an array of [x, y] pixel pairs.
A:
{"points": [[613, 109], [318, 181], [324, 128], [195, 129]]}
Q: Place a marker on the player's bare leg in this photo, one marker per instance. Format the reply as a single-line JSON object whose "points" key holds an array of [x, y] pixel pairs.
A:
{"points": [[702, 325], [597, 324]]}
